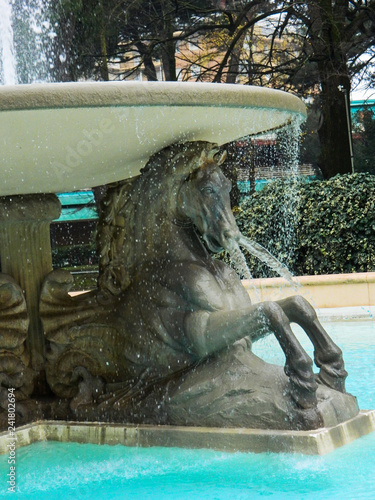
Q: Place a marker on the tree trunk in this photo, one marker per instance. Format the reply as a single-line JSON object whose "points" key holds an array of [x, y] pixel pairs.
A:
{"points": [[168, 47], [148, 63], [234, 61], [169, 61], [150, 70], [104, 73], [334, 135], [327, 36]]}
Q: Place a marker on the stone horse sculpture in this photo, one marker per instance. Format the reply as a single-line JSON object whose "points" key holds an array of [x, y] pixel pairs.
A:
{"points": [[167, 335]]}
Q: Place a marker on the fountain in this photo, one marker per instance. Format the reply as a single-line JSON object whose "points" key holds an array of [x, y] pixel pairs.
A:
{"points": [[86, 134], [166, 337]]}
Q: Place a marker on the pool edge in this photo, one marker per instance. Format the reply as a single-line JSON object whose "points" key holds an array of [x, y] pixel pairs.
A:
{"points": [[315, 442]]}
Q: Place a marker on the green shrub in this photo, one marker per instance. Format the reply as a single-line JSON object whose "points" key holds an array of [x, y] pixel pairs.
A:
{"points": [[321, 227], [74, 255]]}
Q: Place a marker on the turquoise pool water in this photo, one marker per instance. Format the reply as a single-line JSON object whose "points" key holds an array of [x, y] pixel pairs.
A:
{"points": [[72, 471]]}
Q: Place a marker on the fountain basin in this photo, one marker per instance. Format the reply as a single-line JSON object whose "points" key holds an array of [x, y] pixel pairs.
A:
{"points": [[354, 290], [355, 338], [316, 442], [67, 136]]}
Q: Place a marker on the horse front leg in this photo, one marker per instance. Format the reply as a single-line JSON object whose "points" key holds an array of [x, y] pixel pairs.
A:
{"points": [[210, 332], [327, 355]]}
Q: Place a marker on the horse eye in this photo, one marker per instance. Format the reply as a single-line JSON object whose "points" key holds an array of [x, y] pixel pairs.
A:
{"points": [[207, 190]]}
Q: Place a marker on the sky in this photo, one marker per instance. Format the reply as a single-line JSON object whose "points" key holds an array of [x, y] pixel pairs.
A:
{"points": [[360, 95]]}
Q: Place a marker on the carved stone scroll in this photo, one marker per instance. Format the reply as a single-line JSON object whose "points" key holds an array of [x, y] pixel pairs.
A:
{"points": [[25, 250], [14, 357], [83, 348]]}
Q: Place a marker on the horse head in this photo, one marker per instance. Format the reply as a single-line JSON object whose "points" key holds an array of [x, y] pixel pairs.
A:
{"points": [[204, 200]]}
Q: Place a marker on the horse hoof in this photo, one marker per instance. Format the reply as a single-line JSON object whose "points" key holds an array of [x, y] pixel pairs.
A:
{"points": [[303, 398], [335, 382], [303, 392]]}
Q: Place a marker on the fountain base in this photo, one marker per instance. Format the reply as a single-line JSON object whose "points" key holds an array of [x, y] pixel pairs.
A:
{"points": [[316, 442]]}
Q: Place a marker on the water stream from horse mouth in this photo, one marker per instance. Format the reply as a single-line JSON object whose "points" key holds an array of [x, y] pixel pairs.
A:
{"points": [[262, 254]]}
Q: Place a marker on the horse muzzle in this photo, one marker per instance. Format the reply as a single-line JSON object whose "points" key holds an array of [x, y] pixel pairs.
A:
{"points": [[218, 244]]}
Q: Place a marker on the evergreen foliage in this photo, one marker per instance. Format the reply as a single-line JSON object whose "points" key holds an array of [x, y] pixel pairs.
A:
{"points": [[330, 228]]}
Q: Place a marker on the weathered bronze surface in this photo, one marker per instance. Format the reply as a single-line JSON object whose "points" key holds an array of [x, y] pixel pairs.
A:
{"points": [[15, 371], [166, 337]]}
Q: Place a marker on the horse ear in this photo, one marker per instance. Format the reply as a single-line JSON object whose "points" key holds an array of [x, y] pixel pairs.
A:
{"points": [[203, 159], [221, 157], [214, 155]]}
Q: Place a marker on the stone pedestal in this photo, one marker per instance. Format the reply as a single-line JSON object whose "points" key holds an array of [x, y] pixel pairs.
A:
{"points": [[25, 249]]}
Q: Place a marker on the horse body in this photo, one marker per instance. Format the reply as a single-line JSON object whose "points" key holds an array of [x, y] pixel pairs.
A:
{"points": [[179, 311], [175, 279], [158, 312]]}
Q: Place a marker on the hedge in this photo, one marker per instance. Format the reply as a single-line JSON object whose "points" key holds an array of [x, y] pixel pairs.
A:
{"points": [[74, 255], [319, 227]]}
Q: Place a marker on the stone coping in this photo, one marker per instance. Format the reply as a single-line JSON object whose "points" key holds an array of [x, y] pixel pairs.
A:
{"points": [[355, 313], [319, 279], [315, 442], [322, 291], [100, 94]]}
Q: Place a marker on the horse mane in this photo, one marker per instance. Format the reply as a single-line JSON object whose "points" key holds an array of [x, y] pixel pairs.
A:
{"points": [[115, 206], [124, 201]]}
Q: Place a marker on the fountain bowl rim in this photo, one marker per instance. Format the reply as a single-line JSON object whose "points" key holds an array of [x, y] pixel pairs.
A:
{"points": [[62, 137], [131, 93]]}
